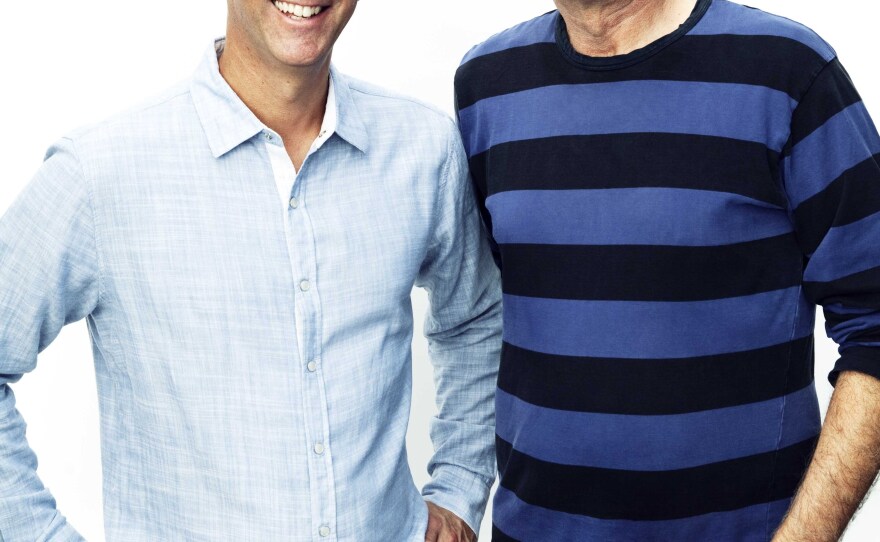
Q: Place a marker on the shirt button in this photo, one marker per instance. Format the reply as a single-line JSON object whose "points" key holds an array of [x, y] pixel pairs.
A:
{"points": [[319, 448], [324, 531], [270, 137], [294, 203], [312, 366], [304, 286]]}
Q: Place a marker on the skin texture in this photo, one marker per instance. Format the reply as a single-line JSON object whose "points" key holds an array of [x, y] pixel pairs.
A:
{"points": [[281, 70], [444, 526], [616, 27], [844, 466]]}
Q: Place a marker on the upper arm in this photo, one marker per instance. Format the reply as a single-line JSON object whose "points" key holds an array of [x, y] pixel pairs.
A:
{"points": [[49, 272]]}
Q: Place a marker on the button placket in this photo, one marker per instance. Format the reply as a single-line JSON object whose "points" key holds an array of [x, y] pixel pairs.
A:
{"points": [[308, 320], [300, 241]]}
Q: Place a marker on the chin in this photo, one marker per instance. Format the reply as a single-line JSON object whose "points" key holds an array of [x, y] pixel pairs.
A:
{"points": [[301, 57]]}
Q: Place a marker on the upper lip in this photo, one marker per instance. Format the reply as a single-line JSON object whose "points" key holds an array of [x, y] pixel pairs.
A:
{"points": [[303, 4]]}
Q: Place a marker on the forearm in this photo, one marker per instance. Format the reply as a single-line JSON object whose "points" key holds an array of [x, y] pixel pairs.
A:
{"points": [[463, 466], [27, 509], [844, 466], [463, 328]]}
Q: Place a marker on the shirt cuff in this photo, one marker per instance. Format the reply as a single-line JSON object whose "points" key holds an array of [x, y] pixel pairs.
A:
{"points": [[461, 492], [862, 359]]}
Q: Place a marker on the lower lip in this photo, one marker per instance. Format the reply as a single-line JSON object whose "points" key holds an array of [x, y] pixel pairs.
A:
{"points": [[314, 19]]}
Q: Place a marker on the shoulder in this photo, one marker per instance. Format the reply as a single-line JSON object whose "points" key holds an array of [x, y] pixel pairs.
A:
{"points": [[406, 127], [493, 59], [377, 99], [730, 18], [152, 119], [541, 29], [403, 114]]}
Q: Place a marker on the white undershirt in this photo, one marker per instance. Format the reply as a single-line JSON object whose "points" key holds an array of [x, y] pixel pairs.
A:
{"points": [[285, 178], [282, 168]]}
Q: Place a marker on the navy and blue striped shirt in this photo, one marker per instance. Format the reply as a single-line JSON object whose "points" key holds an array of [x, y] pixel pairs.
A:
{"points": [[666, 222]]}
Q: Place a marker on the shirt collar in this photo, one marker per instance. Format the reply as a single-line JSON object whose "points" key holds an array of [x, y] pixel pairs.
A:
{"points": [[228, 122], [349, 124]]}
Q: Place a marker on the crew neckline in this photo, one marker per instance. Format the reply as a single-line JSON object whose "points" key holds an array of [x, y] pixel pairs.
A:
{"points": [[633, 57]]}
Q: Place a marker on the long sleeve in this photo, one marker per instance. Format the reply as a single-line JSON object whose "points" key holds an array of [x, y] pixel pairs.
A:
{"points": [[463, 328], [48, 278], [831, 174]]}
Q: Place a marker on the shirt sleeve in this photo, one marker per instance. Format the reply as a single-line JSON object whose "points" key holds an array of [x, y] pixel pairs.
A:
{"points": [[831, 175], [48, 278], [463, 327]]}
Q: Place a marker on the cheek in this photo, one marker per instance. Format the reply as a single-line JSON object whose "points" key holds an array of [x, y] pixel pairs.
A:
{"points": [[249, 18]]}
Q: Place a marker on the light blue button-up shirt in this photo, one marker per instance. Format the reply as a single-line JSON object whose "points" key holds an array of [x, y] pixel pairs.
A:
{"points": [[253, 361]]}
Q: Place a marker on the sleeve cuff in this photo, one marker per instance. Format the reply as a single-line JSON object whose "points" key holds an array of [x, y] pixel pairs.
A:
{"points": [[862, 359], [460, 491]]}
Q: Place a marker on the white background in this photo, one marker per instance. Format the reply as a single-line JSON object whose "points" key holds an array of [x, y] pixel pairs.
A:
{"points": [[65, 64]]}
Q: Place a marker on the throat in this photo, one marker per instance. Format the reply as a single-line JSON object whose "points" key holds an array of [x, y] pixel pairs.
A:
{"points": [[615, 28]]}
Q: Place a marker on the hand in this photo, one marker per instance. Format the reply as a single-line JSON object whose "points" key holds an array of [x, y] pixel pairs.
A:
{"points": [[444, 526]]}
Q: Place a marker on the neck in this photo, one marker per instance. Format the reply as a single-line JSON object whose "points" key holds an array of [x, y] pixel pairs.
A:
{"points": [[616, 27], [288, 99]]}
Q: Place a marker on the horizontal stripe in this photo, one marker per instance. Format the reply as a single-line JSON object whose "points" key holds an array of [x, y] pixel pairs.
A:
{"points": [[515, 520], [654, 443], [830, 92], [847, 139], [656, 386], [651, 496], [631, 161], [652, 273], [868, 353], [856, 358], [836, 316], [498, 536], [537, 30], [854, 328], [642, 329], [630, 107], [860, 359], [838, 310], [846, 250], [851, 197], [767, 61], [632, 216], [859, 290], [730, 18]]}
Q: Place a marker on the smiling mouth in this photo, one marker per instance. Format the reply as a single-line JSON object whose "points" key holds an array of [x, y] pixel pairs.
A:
{"points": [[297, 11]]}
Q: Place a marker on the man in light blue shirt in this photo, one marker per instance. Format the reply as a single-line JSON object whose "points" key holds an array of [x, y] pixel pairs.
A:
{"points": [[253, 356]]}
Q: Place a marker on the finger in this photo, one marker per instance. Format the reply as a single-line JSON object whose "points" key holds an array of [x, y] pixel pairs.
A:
{"points": [[433, 532]]}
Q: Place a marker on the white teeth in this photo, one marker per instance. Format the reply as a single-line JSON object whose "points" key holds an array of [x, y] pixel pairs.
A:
{"points": [[303, 12]]}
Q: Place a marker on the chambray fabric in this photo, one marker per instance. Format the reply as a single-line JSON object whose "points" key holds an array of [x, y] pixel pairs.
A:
{"points": [[207, 308]]}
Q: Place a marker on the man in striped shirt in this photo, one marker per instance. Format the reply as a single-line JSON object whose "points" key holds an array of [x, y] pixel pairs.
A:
{"points": [[671, 188]]}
